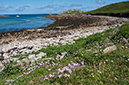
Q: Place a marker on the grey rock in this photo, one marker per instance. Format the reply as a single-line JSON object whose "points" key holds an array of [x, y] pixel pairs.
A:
{"points": [[47, 58], [61, 56], [10, 80], [109, 49], [31, 57], [26, 62], [1, 66], [15, 53], [6, 61], [40, 55], [6, 56], [19, 62], [0, 50], [15, 59]]}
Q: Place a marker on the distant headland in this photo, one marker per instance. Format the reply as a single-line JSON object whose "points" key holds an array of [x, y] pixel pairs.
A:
{"points": [[4, 15]]}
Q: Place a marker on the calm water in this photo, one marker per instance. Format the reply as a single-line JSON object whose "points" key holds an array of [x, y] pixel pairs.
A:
{"points": [[28, 21]]}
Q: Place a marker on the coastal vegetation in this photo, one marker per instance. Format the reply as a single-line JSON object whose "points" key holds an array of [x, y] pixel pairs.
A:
{"points": [[85, 62]]}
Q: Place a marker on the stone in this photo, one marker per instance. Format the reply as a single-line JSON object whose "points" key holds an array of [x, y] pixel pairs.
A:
{"points": [[0, 50], [15, 53], [1, 66], [40, 55], [61, 56], [64, 53], [15, 59], [6, 61], [10, 80], [109, 49], [47, 58], [19, 62], [31, 57], [26, 62], [50, 14], [6, 56]]}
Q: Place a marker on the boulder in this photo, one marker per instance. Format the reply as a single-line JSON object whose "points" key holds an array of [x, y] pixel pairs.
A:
{"points": [[31, 57], [40, 55], [109, 49], [0, 50], [61, 56], [6, 61], [15, 59], [26, 62], [1, 66], [6, 56], [19, 62], [50, 14]]}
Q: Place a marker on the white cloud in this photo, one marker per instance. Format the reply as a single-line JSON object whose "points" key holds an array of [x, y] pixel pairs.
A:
{"points": [[44, 7], [75, 5], [6, 7], [100, 2], [22, 8]]}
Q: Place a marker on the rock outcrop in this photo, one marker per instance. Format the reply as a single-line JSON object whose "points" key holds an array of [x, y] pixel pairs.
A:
{"points": [[73, 11], [4, 15], [109, 49]]}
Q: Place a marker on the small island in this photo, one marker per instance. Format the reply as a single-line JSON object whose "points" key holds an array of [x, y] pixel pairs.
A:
{"points": [[4, 15]]}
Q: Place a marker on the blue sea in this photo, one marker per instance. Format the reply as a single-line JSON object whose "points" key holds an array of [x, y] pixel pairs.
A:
{"points": [[25, 21]]}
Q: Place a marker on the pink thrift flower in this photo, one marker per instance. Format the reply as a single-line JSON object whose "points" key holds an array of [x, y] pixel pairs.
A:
{"points": [[50, 75], [49, 69], [66, 75], [60, 75]]}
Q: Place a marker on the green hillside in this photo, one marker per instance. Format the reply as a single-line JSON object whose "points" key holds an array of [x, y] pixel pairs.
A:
{"points": [[116, 8]]}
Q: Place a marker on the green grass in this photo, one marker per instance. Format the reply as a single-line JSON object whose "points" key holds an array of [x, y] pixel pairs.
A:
{"points": [[99, 69], [122, 7]]}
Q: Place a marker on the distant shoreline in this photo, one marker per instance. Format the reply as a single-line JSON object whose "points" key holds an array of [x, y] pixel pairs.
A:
{"points": [[4, 15]]}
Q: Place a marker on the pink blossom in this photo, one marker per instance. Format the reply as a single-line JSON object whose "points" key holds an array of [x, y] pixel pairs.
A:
{"points": [[50, 75], [60, 75], [66, 75]]}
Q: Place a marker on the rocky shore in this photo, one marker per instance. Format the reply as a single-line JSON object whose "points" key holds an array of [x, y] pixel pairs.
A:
{"points": [[65, 29]]}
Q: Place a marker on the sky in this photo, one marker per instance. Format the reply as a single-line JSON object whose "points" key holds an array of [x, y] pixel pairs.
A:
{"points": [[50, 6]]}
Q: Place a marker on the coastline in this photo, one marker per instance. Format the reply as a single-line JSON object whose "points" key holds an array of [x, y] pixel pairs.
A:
{"points": [[65, 29], [4, 15]]}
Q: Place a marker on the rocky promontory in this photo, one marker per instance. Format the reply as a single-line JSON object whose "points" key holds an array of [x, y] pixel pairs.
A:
{"points": [[4, 15]]}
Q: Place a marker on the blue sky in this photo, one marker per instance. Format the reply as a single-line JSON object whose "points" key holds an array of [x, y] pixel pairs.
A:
{"points": [[50, 6]]}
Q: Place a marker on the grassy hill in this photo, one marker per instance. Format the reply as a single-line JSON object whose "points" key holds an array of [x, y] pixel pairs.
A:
{"points": [[118, 9]]}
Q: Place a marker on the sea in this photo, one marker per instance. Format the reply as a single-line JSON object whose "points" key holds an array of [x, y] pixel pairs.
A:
{"points": [[25, 21]]}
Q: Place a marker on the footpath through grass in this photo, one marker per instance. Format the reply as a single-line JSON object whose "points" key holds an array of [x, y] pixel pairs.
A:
{"points": [[84, 63]]}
